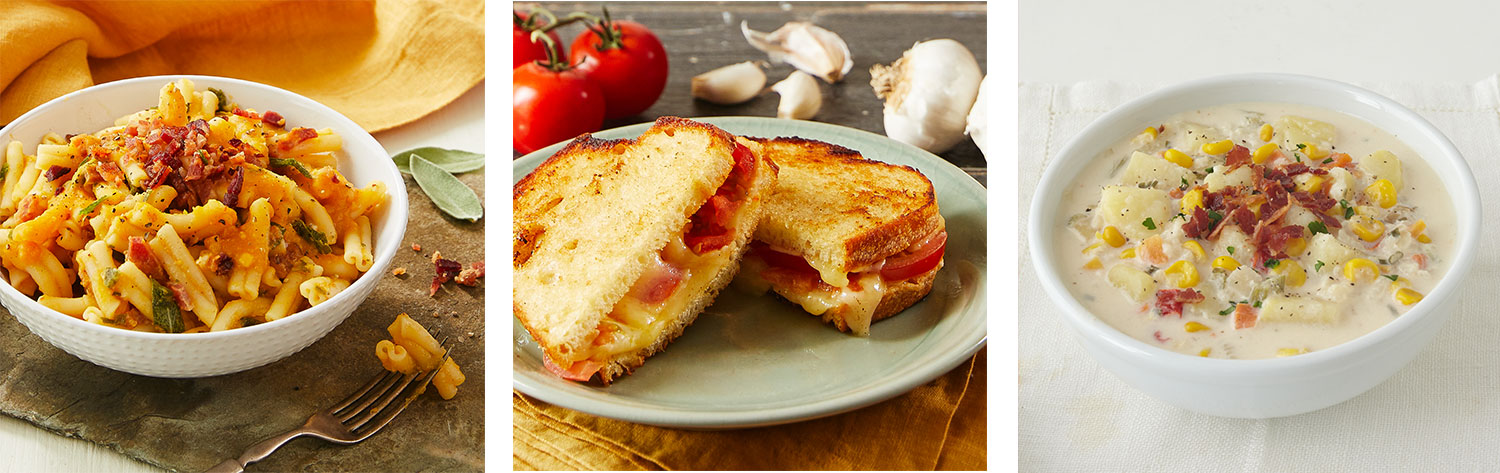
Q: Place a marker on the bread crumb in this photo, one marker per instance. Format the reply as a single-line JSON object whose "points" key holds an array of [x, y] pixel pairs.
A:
{"points": [[416, 247], [398, 271]]}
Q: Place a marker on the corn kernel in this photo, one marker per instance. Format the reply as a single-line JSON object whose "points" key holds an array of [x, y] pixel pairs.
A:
{"points": [[1266, 132], [1226, 263], [1192, 200], [1129, 253], [1424, 238], [1150, 131], [1420, 230], [1263, 153], [1285, 352], [1195, 248], [1185, 273], [1093, 264], [1293, 271], [1112, 236], [1367, 228], [1192, 327], [1179, 158], [1407, 296], [1382, 192], [1091, 248], [1218, 147], [1311, 184], [1360, 269], [1365, 210], [1399, 283], [1313, 151], [1296, 246], [1203, 353]]}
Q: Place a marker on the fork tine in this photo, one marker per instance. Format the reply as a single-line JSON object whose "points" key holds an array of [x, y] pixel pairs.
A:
{"points": [[374, 425], [361, 392], [384, 400], [355, 403]]}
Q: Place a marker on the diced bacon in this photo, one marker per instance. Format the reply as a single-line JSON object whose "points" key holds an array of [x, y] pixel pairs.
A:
{"points": [[1239, 156], [296, 137], [223, 264], [1328, 221], [470, 277], [1170, 301], [273, 118], [30, 207], [1271, 241], [445, 270], [140, 254], [180, 294], [246, 113], [192, 169], [1244, 316], [1316, 202], [1243, 218], [55, 172], [236, 183], [1198, 225], [111, 173], [1294, 169]]}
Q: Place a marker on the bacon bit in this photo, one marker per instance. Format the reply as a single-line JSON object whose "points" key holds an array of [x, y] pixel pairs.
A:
{"points": [[1421, 260], [1243, 218], [1151, 247], [55, 172], [30, 207], [1328, 221], [273, 118], [1170, 301], [470, 277], [111, 173], [1318, 203], [1160, 338], [179, 292], [416, 247], [236, 183], [140, 254], [1198, 225], [1239, 156], [1294, 169], [1176, 192], [1244, 316], [246, 113], [1271, 241], [446, 269], [296, 137], [223, 264], [398, 271]]}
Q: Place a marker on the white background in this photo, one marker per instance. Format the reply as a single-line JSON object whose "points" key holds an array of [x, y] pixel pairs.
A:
{"points": [[25, 448]]}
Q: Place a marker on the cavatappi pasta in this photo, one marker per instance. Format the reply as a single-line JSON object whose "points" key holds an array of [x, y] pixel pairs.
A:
{"points": [[412, 349], [194, 215]]}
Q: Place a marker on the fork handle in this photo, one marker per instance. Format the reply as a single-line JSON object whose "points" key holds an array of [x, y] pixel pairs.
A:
{"points": [[256, 453]]}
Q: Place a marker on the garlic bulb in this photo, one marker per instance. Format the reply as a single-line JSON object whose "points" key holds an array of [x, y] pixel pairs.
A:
{"points": [[730, 84], [805, 46], [800, 97], [978, 126], [928, 93]]}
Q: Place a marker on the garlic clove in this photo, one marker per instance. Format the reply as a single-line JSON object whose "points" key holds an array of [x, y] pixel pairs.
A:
{"points": [[978, 126], [928, 94], [729, 85], [805, 46], [800, 97]]}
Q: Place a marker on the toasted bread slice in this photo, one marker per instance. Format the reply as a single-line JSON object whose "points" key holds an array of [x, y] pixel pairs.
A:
{"points": [[846, 217], [600, 228]]}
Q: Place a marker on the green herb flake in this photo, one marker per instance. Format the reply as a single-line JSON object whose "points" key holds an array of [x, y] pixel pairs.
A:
{"points": [[164, 310], [1184, 183], [1230, 249], [452, 160], [1317, 227], [1150, 225], [447, 192], [1271, 263], [1228, 310], [248, 321], [1257, 304], [291, 163], [1210, 170], [111, 275], [313, 236], [1396, 233], [89, 209], [1329, 160], [224, 105], [1392, 277], [1301, 146], [1318, 266]]}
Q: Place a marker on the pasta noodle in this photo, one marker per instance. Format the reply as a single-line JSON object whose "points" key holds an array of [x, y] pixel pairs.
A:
{"points": [[412, 349], [194, 206]]}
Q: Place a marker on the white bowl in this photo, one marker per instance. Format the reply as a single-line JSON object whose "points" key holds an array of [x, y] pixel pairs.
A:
{"points": [[362, 161], [1272, 387]]}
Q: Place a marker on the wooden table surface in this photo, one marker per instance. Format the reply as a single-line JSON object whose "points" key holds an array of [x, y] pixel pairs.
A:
{"points": [[702, 36]]}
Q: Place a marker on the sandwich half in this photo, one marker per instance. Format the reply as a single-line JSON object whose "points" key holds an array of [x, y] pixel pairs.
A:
{"points": [[849, 239], [619, 244]]}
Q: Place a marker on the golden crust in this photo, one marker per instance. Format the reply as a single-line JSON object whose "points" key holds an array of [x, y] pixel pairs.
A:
{"points": [[898, 297]]}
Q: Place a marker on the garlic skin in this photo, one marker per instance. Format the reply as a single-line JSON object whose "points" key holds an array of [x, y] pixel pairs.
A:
{"points": [[729, 85], [928, 94], [805, 46], [978, 127], [800, 97]]}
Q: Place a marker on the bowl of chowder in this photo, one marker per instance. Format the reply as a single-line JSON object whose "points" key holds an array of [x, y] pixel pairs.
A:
{"points": [[1257, 245]]}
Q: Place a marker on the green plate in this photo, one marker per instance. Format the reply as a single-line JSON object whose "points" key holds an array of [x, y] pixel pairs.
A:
{"points": [[758, 360]]}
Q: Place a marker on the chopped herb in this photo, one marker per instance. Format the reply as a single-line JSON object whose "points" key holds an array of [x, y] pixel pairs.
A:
{"points": [[90, 208], [292, 163], [1210, 170], [1214, 217], [1297, 155], [1318, 266], [313, 236], [1301, 146], [1316, 227], [1271, 263], [1392, 277], [1150, 225], [1348, 211], [1231, 250], [248, 321], [5, 169], [223, 100], [1228, 310], [1396, 233], [1184, 183], [110, 276], [1329, 160], [1257, 304], [164, 310]]}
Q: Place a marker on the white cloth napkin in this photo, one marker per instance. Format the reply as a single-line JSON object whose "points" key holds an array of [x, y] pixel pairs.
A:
{"points": [[1439, 413]]}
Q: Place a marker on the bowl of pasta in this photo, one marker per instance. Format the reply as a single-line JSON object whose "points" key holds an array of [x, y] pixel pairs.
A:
{"points": [[189, 226]]}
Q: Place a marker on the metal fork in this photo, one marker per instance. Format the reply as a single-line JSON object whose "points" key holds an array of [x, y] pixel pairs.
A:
{"points": [[350, 421]]}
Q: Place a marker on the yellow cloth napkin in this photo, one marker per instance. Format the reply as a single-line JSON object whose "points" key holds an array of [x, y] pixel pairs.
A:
{"points": [[939, 425], [381, 63]]}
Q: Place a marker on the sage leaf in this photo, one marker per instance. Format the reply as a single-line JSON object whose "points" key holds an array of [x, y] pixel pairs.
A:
{"points": [[164, 310], [451, 195], [451, 160]]}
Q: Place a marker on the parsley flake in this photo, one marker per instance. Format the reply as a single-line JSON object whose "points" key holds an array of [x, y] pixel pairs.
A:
{"points": [[1150, 225], [1318, 266], [1316, 227], [1271, 263], [1392, 277]]}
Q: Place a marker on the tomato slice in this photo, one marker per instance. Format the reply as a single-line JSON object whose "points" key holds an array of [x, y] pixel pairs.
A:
{"points": [[579, 371], [918, 259], [780, 261], [659, 284], [711, 227]]}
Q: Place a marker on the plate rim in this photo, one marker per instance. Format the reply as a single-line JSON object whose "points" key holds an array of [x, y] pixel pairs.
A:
{"points": [[913, 373]]}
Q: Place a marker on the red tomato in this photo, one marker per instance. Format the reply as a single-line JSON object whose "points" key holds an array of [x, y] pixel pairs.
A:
{"points": [[526, 49], [580, 371], [918, 259], [626, 60], [552, 106], [779, 260]]}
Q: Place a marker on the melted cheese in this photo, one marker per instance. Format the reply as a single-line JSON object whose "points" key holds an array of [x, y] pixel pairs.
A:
{"points": [[858, 306], [638, 324]]}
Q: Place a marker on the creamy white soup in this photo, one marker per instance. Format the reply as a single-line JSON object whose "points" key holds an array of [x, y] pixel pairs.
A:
{"points": [[1255, 230]]}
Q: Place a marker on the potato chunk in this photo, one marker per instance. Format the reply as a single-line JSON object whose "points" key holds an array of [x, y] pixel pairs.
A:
{"points": [[1153, 170], [1304, 310], [1382, 165], [1218, 180], [1330, 250], [1136, 283], [1294, 130], [1126, 207]]}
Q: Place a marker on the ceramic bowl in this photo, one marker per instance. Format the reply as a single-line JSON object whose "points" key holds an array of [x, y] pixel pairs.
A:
{"points": [[1270, 387], [362, 161]]}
